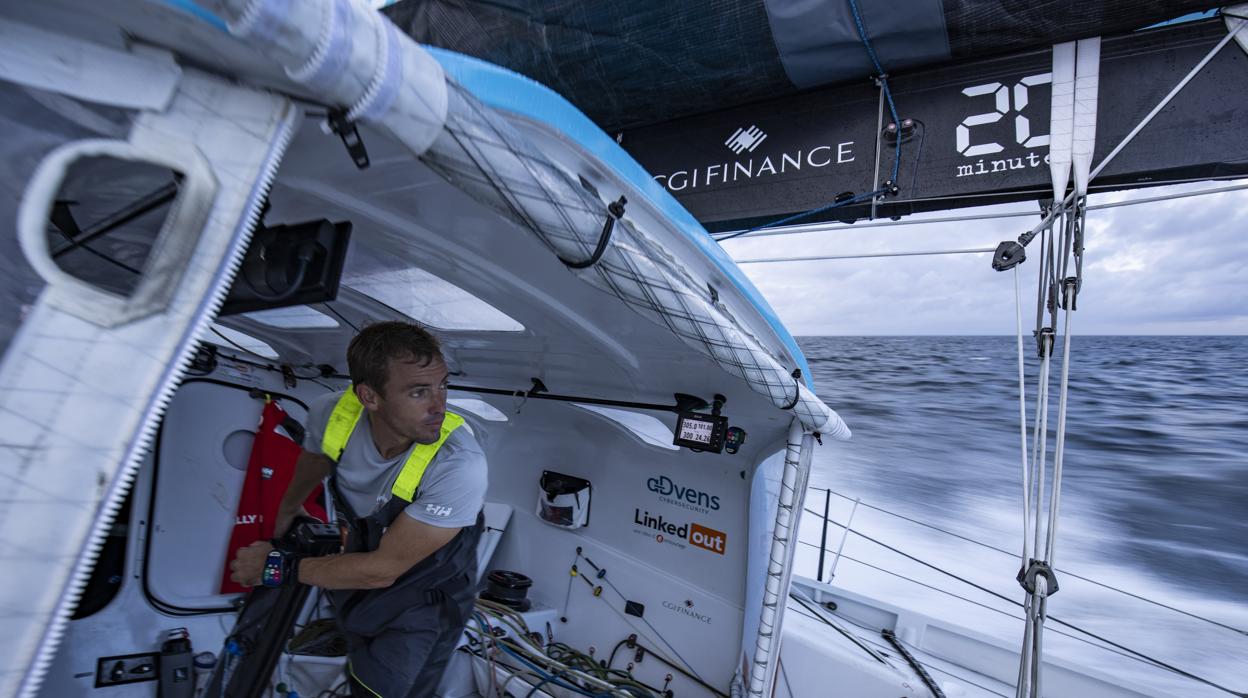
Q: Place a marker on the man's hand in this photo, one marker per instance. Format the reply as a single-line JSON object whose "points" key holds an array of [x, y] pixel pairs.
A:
{"points": [[249, 563]]}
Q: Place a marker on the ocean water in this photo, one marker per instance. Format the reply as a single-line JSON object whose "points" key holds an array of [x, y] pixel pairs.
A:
{"points": [[1154, 497]]}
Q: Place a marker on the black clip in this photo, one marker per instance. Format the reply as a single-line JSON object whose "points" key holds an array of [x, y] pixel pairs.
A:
{"points": [[1038, 568], [1045, 339], [1070, 284], [615, 211], [1009, 254], [350, 135], [288, 376]]}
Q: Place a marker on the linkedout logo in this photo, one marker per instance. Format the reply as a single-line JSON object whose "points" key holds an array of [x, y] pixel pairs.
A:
{"points": [[745, 139], [679, 535], [672, 492]]}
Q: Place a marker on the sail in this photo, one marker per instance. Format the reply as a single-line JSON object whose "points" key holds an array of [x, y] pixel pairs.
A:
{"points": [[630, 64]]}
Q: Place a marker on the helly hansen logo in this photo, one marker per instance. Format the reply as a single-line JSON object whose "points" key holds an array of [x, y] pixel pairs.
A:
{"points": [[438, 511], [745, 139]]}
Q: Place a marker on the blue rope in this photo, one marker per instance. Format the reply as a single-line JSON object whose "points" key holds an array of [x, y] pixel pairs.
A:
{"points": [[811, 212], [541, 672], [892, 109], [879, 70]]}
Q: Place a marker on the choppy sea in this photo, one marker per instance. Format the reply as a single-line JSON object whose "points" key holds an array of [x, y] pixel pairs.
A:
{"points": [[1154, 503]]}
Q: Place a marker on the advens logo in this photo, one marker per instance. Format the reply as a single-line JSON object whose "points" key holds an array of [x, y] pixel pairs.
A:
{"points": [[671, 492], [665, 531]]}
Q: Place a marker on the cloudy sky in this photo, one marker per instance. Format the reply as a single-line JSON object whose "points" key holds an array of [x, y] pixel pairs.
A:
{"points": [[1171, 267]]}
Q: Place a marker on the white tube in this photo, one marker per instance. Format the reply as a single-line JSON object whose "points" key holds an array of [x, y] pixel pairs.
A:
{"points": [[350, 56], [780, 568]]}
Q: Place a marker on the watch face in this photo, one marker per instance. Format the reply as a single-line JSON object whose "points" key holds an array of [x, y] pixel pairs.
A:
{"points": [[271, 576]]}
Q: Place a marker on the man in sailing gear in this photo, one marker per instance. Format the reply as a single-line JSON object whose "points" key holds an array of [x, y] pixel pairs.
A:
{"points": [[409, 486]]}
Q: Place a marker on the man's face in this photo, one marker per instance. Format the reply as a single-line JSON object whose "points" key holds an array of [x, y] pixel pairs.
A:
{"points": [[413, 403]]}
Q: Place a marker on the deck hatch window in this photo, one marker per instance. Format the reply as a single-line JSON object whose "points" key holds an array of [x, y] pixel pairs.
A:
{"points": [[233, 339], [297, 317], [645, 427], [422, 296]]}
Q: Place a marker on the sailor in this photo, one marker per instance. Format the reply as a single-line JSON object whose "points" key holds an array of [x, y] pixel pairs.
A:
{"points": [[409, 485]]}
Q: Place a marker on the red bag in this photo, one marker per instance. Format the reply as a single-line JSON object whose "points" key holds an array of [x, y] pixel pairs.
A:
{"points": [[269, 472]]}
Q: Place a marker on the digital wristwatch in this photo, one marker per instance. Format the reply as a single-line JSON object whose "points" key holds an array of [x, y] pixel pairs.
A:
{"points": [[280, 568]]}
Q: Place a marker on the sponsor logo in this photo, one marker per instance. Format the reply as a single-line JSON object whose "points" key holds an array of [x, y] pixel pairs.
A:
{"points": [[679, 534], [746, 139], [685, 608], [438, 511], [721, 173], [246, 519], [266, 473], [676, 494], [972, 143], [707, 538]]}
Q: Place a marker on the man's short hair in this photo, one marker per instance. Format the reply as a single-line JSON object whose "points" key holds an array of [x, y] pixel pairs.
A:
{"points": [[369, 354]]}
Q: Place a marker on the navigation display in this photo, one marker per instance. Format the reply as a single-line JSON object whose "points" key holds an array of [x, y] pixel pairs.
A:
{"points": [[700, 432]]}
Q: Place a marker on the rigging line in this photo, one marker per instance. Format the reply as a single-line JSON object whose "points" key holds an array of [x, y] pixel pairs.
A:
{"points": [[1022, 420], [340, 316], [825, 228], [883, 78], [1055, 619], [891, 638], [994, 609], [925, 585], [1064, 571], [804, 214], [785, 675], [1166, 100], [925, 253], [933, 667], [97, 253], [657, 634], [859, 641], [140, 207], [1085, 641], [1066, 202]]}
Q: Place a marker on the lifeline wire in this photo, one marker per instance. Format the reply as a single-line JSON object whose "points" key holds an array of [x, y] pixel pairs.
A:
{"points": [[1003, 551], [1134, 654]]}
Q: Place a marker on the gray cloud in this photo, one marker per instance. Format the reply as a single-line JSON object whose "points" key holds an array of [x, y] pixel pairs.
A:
{"points": [[1172, 267]]}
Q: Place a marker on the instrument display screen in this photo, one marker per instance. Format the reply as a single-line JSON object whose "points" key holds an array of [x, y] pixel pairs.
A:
{"points": [[700, 432]]}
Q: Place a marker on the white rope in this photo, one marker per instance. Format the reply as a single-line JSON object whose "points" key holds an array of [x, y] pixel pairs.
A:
{"points": [[1055, 499], [1022, 422]]}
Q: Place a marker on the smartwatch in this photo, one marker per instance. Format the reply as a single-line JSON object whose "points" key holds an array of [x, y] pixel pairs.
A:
{"points": [[280, 568]]}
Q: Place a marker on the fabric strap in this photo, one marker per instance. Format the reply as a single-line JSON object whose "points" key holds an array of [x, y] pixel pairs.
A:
{"points": [[342, 423]]}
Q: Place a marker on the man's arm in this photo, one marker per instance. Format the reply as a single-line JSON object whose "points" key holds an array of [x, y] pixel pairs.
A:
{"points": [[310, 469], [404, 544]]}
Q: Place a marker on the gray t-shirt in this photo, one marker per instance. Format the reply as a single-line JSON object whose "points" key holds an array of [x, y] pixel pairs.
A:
{"points": [[451, 492]]}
